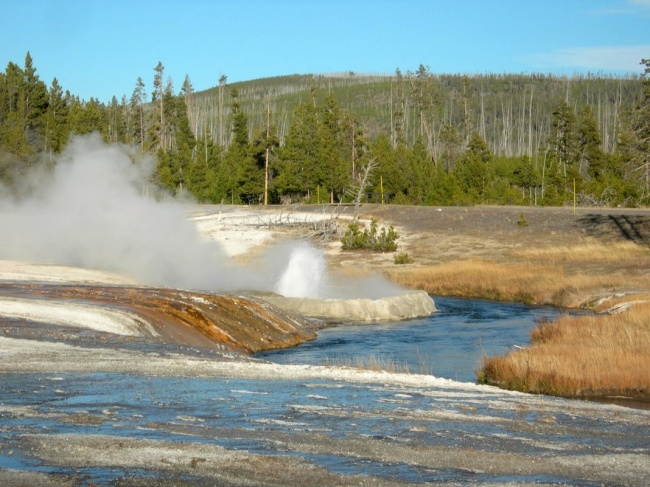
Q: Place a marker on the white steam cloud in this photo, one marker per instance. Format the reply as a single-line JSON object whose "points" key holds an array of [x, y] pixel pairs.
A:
{"points": [[91, 212], [304, 275]]}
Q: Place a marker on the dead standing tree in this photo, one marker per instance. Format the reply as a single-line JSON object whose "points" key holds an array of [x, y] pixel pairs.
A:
{"points": [[357, 192]]}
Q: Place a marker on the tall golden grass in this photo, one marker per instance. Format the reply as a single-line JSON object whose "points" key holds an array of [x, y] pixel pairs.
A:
{"points": [[584, 356], [530, 282], [584, 252]]}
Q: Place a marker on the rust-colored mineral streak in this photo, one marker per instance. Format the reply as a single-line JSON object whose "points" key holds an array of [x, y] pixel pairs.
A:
{"points": [[231, 322]]}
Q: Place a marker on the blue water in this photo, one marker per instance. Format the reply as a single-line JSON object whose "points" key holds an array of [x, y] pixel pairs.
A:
{"points": [[263, 416], [449, 344], [279, 417]]}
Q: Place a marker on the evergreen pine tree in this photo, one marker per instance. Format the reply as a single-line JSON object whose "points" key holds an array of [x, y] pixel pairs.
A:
{"points": [[16, 148], [198, 181], [239, 122], [300, 156], [86, 117], [387, 175], [564, 155], [450, 145], [526, 176], [245, 179], [157, 128], [138, 99], [474, 171], [35, 96], [333, 171], [592, 156], [56, 120]]}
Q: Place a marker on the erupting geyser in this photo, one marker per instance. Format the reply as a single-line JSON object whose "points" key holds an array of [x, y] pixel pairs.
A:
{"points": [[307, 289], [304, 275]]}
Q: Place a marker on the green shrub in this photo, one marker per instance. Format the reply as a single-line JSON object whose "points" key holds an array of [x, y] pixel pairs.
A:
{"points": [[522, 221], [403, 258], [370, 239]]}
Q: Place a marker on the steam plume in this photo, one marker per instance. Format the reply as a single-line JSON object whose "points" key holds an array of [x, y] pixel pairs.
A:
{"points": [[91, 212]]}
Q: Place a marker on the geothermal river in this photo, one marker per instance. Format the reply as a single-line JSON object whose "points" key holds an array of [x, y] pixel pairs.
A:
{"points": [[105, 416], [448, 344]]}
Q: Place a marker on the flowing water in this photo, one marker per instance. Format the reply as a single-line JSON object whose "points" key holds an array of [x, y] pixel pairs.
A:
{"points": [[180, 418], [449, 344], [161, 427]]}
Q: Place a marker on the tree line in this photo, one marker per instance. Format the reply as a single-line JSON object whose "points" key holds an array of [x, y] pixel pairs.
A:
{"points": [[432, 147]]}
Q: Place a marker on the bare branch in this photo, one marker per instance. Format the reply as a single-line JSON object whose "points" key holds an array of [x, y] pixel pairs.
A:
{"points": [[357, 192]]}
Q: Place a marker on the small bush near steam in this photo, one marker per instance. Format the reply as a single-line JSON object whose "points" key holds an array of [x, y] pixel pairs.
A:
{"points": [[370, 239]]}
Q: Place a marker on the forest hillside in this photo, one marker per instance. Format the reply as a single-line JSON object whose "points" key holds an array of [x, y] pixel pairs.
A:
{"points": [[417, 137]]}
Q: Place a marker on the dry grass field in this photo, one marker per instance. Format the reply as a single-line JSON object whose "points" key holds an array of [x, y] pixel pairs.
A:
{"points": [[587, 356], [597, 259]]}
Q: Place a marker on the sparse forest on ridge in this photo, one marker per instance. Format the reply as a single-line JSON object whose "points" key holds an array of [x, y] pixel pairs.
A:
{"points": [[435, 139]]}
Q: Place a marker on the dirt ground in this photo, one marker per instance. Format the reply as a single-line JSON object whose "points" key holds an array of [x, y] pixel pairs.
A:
{"points": [[436, 235]]}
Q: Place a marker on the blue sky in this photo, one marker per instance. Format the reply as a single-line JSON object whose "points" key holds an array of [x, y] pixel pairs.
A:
{"points": [[99, 49]]}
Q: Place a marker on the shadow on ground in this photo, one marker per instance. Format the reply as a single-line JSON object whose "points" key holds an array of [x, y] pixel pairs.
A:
{"points": [[635, 228]]}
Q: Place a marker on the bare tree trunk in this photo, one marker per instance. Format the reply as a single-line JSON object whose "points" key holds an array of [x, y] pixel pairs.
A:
{"points": [[162, 123], [530, 123], [521, 132], [141, 128], [466, 120], [358, 193], [617, 108], [222, 83], [393, 136], [544, 170], [483, 115], [354, 149], [266, 157]]}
